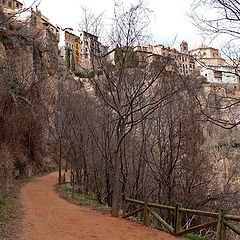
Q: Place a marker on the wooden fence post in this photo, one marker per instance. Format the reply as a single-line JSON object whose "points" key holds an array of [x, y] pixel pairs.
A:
{"points": [[124, 206], [221, 228], [146, 213], [177, 218]]}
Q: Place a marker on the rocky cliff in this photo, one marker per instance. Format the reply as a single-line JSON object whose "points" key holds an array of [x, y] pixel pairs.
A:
{"points": [[29, 71]]}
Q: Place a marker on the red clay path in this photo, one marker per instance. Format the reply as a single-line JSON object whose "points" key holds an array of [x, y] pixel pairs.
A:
{"points": [[49, 217]]}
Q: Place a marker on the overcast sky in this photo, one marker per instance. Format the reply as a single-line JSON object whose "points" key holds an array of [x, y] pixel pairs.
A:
{"points": [[169, 17]]}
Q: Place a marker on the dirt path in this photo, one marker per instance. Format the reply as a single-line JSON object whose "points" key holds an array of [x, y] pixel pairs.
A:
{"points": [[48, 217]]}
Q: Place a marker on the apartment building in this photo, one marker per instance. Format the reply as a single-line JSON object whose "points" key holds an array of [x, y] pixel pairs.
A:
{"points": [[90, 50], [181, 61], [70, 44]]}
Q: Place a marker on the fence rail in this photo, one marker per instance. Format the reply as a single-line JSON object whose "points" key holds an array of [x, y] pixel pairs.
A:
{"points": [[221, 219]]}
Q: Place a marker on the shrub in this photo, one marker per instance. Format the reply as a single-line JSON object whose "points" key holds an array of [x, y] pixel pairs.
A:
{"points": [[79, 73], [14, 85], [20, 165], [99, 72]]}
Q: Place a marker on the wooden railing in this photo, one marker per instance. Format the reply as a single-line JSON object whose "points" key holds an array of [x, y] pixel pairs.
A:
{"points": [[221, 219]]}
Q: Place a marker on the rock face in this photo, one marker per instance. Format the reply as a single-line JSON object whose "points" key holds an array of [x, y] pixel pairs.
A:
{"points": [[3, 55], [29, 70]]}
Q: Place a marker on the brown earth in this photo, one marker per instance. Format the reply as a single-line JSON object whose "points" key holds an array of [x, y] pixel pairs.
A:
{"points": [[49, 217]]}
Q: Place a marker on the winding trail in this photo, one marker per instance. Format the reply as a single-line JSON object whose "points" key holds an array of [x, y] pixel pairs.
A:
{"points": [[49, 217]]}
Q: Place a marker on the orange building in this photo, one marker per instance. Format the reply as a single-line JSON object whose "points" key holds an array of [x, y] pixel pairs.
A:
{"points": [[70, 44]]}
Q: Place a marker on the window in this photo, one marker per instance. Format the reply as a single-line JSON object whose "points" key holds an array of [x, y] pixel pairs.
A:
{"points": [[204, 53], [17, 5], [190, 65], [86, 56], [10, 4]]}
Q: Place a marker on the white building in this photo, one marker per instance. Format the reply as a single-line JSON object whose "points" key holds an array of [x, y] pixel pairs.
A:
{"points": [[219, 74]]}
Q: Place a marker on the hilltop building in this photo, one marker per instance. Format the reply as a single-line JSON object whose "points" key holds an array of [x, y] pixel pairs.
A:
{"points": [[181, 61], [208, 56], [10, 7], [213, 67], [91, 48], [70, 48], [84, 48]]}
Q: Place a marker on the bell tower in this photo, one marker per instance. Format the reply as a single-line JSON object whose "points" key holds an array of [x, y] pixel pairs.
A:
{"points": [[184, 47]]}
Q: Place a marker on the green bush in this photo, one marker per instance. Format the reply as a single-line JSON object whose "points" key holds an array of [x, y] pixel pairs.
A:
{"points": [[14, 84], [20, 165], [99, 72], [2, 202], [79, 73]]}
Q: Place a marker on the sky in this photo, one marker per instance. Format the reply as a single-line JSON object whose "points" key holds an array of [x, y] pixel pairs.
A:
{"points": [[170, 24]]}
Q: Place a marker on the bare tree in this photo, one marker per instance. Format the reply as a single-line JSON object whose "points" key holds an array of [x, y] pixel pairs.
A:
{"points": [[130, 90], [219, 19]]}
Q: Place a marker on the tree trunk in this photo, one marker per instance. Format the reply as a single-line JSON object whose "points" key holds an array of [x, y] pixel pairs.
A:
{"points": [[116, 185], [116, 179], [60, 164]]}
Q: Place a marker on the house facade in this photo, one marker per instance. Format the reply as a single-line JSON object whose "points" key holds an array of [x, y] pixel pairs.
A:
{"points": [[70, 48], [220, 74], [181, 61], [10, 7], [215, 68]]}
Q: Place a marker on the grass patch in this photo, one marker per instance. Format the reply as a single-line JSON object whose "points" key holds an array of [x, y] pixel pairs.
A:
{"points": [[68, 189], [188, 236], [161, 228], [194, 237], [2, 202], [11, 211], [86, 197], [65, 191]]}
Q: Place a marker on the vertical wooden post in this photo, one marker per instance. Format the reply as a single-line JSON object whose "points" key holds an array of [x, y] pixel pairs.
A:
{"points": [[221, 228], [124, 206], [177, 218], [146, 213]]}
